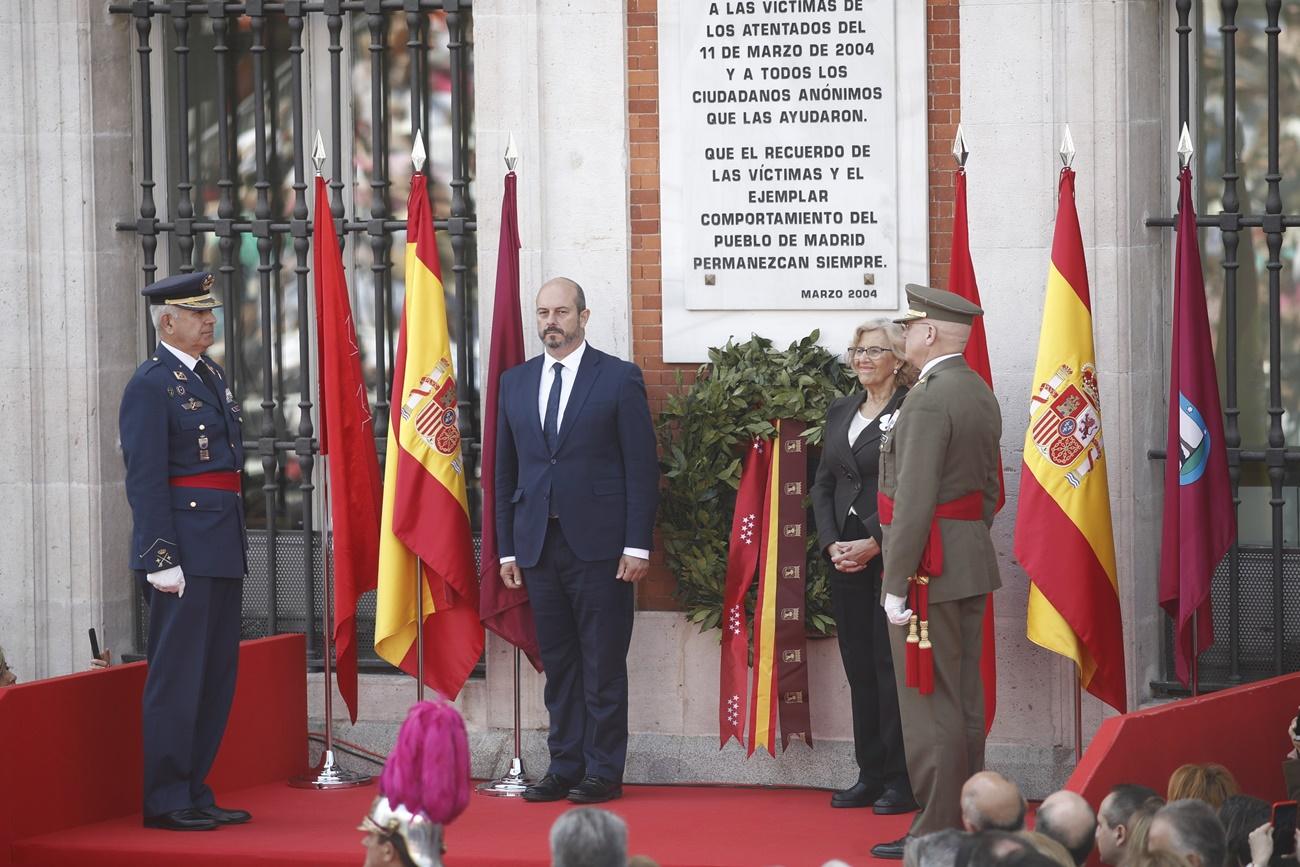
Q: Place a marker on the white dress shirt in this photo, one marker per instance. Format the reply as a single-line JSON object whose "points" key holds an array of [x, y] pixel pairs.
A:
{"points": [[186, 359], [933, 361], [568, 373]]}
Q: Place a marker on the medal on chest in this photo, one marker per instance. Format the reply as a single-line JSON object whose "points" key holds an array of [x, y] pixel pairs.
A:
{"points": [[204, 454]]}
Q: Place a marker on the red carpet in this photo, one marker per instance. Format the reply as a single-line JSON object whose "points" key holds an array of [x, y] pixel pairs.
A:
{"points": [[704, 826]]}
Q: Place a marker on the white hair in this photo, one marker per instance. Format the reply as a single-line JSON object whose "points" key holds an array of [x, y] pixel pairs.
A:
{"points": [[158, 311], [589, 837]]}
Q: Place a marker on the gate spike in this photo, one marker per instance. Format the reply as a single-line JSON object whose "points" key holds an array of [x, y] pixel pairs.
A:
{"points": [[318, 153], [959, 151], [1067, 148], [512, 154], [417, 152], [1185, 149]]}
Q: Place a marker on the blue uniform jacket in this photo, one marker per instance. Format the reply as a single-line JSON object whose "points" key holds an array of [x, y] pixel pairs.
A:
{"points": [[603, 479], [166, 412]]}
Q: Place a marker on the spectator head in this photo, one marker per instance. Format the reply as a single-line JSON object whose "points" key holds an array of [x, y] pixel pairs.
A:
{"points": [[991, 802], [1048, 848], [938, 849], [1212, 784], [1189, 828], [424, 785], [1239, 815], [1067, 819], [1005, 849], [1158, 858], [7, 676], [1114, 819], [588, 837]]}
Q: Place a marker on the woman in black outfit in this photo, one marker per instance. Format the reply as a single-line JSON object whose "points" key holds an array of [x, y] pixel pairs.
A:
{"points": [[844, 504]]}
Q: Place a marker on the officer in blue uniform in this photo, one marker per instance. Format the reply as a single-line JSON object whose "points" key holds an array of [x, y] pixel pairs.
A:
{"points": [[182, 443]]}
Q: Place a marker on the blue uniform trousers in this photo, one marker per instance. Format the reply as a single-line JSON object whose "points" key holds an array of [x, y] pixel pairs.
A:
{"points": [[584, 619], [193, 657]]}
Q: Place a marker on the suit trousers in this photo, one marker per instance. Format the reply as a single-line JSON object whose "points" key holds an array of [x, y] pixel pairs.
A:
{"points": [[193, 655], [583, 615], [863, 635], [944, 731]]}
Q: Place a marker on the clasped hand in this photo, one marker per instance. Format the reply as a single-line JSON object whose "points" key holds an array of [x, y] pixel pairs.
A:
{"points": [[853, 556]]}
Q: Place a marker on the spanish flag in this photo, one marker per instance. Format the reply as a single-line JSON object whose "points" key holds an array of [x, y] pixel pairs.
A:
{"points": [[1063, 527], [425, 532]]}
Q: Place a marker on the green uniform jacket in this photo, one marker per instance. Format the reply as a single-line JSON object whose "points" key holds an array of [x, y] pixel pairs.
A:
{"points": [[943, 445]]}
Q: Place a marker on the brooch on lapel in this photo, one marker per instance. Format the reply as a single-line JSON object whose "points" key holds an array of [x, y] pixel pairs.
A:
{"points": [[887, 423]]}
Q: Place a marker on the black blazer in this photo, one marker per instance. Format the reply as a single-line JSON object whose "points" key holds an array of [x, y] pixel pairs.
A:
{"points": [[848, 476]]}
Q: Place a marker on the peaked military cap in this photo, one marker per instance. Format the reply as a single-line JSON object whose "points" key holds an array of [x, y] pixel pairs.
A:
{"points": [[191, 291], [925, 302]]}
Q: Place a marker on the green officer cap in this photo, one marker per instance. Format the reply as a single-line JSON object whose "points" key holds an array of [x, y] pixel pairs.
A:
{"points": [[926, 302]]}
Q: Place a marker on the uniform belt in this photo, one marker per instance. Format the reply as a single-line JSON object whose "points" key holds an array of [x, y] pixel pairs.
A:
{"points": [[220, 480]]}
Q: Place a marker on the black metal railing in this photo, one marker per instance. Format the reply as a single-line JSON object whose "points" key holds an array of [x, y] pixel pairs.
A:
{"points": [[1250, 601], [235, 95]]}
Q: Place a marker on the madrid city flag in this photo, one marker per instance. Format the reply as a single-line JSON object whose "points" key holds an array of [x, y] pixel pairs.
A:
{"points": [[1199, 522], [425, 539], [1063, 527]]}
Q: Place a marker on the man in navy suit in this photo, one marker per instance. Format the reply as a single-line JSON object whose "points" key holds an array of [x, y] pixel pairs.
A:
{"points": [[577, 485], [181, 439]]}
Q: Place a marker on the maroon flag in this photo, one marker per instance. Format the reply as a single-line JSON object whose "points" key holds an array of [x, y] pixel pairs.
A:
{"points": [[961, 280], [742, 561], [1199, 521], [504, 610], [347, 438]]}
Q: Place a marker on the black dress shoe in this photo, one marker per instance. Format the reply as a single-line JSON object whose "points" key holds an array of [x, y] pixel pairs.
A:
{"points": [[891, 851], [893, 802], [181, 820], [595, 790], [859, 794], [551, 788], [224, 817]]}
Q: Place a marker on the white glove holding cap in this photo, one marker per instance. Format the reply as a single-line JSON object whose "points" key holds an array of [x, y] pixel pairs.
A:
{"points": [[894, 610], [168, 580]]}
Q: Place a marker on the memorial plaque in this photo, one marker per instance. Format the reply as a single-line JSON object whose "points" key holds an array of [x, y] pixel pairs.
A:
{"points": [[782, 183]]}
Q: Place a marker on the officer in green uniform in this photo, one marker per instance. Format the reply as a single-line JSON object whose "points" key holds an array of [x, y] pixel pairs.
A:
{"points": [[939, 486]]}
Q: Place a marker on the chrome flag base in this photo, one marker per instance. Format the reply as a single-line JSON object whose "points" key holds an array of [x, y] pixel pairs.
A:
{"points": [[328, 775], [512, 785]]}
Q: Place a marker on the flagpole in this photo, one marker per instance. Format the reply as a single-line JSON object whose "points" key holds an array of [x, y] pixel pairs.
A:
{"points": [[417, 159], [327, 774], [512, 785]]}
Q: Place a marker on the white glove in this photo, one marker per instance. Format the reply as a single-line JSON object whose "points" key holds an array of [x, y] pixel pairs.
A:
{"points": [[168, 580], [894, 610]]}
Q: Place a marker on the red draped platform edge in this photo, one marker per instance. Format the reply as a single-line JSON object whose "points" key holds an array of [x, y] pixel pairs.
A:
{"points": [[72, 751]]}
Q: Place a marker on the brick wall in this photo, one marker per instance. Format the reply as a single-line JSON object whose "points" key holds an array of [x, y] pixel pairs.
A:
{"points": [[942, 25]]}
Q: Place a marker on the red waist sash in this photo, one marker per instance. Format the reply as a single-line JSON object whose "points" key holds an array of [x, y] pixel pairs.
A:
{"points": [[920, 651], [219, 480]]}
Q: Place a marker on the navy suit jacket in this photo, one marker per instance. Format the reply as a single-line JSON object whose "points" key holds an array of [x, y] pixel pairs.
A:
{"points": [[165, 410], [603, 476]]}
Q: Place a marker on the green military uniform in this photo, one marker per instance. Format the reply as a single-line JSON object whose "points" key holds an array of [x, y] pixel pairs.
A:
{"points": [[943, 446]]}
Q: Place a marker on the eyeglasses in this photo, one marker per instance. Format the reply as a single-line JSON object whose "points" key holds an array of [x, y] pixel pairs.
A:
{"points": [[853, 353]]}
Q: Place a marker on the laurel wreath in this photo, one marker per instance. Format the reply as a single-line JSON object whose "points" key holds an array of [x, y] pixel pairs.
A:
{"points": [[704, 431]]}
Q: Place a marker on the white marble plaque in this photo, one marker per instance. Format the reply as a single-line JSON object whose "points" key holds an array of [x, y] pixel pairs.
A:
{"points": [[792, 165]]}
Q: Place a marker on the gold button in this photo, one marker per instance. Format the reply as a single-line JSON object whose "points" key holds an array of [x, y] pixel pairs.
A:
{"points": [[193, 505]]}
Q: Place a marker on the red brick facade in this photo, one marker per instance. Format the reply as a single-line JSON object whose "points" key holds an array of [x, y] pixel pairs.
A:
{"points": [[944, 61]]}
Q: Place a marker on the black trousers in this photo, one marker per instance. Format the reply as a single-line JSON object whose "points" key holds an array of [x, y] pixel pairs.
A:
{"points": [[584, 619], [193, 655], [868, 665]]}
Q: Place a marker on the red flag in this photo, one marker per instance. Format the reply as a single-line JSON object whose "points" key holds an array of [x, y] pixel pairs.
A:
{"points": [[742, 560], [347, 438], [426, 550], [961, 280], [503, 609], [1199, 520]]}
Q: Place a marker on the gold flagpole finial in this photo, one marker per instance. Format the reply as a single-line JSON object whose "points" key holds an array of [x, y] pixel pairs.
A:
{"points": [[1185, 149], [1067, 148], [512, 154], [959, 151], [318, 153], [417, 152]]}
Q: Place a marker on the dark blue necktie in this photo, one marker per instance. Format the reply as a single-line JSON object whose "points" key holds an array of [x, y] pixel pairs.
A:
{"points": [[551, 426]]}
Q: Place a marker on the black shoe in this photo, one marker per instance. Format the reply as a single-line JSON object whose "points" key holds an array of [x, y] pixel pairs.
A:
{"points": [[893, 801], [859, 794], [891, 851], [224, 817], [551, 788], [595, 790], [181, 820]]}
